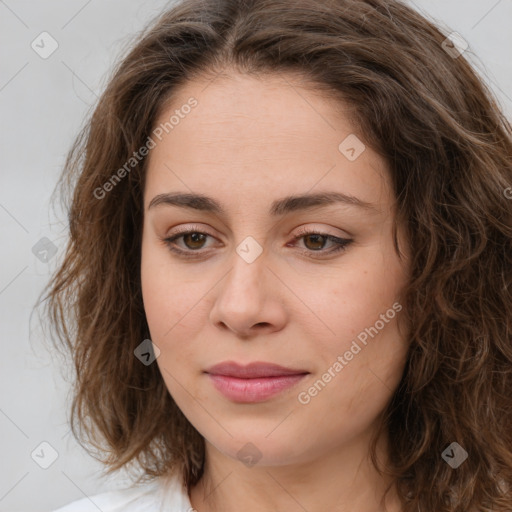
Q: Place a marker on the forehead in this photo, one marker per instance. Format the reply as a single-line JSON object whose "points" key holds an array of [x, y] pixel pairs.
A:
{"points": [[259, 137]]}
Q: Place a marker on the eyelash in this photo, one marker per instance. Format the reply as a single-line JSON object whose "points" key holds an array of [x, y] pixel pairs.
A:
{"points": [[342, 243]]}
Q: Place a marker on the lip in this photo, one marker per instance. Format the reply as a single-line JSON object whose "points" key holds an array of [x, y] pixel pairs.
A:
{"points": [[252, 370], [255, 382]]}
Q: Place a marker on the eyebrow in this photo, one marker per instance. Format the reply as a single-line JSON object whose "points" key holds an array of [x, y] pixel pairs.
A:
{"points": [[279, 207]]}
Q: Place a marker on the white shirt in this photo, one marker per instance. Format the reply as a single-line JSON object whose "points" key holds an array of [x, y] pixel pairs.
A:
{"points": [[164, 494]]}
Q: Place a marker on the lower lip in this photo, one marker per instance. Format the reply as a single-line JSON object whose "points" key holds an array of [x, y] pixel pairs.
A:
{"points": [[254, 390]]}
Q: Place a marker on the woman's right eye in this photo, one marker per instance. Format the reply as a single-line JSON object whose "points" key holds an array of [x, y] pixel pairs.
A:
{"points": [[193, 240]]}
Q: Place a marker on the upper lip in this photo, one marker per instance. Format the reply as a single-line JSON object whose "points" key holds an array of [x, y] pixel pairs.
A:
{"points": [[252, 370]]}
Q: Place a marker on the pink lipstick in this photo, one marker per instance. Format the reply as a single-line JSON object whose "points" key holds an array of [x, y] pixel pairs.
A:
{"points": [[255, 382]]}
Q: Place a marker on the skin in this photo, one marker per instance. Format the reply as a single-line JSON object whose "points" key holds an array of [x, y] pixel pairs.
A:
{"points": [[251, 141]]}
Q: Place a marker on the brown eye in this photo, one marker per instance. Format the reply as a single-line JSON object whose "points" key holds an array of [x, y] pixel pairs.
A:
{"points": [[187, 243], [317, 241], [194, 240]]}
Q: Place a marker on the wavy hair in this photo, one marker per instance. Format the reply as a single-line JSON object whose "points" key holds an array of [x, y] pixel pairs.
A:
{"points": [[448, 146]]}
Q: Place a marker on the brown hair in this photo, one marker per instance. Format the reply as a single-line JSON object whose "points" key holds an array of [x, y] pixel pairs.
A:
{"points": [[449, 150]]}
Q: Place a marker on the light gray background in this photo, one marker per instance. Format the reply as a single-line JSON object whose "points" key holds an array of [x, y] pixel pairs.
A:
{"points": [[43, 104]]}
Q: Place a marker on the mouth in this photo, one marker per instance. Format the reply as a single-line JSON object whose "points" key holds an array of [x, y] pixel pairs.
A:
{"points": [[255, 382]]}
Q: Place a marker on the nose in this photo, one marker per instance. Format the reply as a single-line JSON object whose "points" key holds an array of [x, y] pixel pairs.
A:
{"points": [[249, 299]]}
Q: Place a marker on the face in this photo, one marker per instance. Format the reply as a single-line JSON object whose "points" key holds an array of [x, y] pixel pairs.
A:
{"points": [[312, 286]]}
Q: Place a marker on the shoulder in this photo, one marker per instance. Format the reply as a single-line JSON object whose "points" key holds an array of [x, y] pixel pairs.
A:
{"points": [[129, 499], [165, 493]]}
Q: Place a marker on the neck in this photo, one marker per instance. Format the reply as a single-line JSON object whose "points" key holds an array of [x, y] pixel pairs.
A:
{"points": [[340, 480]]}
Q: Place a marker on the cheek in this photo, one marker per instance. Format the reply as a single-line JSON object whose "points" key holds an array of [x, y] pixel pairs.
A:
{"points": [[170, 320], [355, 383], [351, 300], [173, 307], [155, 293], [168, 298], [174, 329], [360, 323]]}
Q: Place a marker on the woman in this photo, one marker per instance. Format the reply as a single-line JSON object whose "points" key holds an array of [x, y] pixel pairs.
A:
{"points": [[290, 266]]}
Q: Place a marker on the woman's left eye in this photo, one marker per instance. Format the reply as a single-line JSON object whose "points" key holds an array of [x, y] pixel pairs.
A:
{"points": [[315, 238], [194, 240]]}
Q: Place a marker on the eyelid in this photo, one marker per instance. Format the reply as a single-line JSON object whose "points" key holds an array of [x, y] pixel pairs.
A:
{"points": [[187, 228], [308, 229]]}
